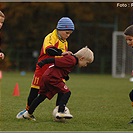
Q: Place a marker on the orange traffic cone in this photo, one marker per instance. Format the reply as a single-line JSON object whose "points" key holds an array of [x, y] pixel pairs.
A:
{"points": [[0, 74], [16, 90]]}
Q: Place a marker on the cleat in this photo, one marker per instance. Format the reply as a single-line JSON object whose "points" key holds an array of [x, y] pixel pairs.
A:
{"points": [[28, 116], [63, 115], [20, 114]]}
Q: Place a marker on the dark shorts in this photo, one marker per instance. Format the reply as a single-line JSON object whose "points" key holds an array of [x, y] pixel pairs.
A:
{"points": [[49, 86]]}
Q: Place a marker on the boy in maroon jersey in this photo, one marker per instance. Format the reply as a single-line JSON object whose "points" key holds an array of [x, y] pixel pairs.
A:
{"points": [[55, 44], [52, 82], [129, 39], [2, 18]]}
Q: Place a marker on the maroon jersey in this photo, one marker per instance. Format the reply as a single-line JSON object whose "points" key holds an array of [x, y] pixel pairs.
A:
{"points": [[51, 82], [62, 67]]}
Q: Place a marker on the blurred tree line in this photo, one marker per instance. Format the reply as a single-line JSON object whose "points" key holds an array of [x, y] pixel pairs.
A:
{"points": [[27, 23]]}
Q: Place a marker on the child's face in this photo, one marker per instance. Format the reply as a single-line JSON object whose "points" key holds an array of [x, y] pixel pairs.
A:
{"points": [[1, 21], [83, 62], [65, 34], [129, 40]]}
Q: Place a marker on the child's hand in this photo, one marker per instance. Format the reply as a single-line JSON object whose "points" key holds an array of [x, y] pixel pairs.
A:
{"points": [[2, 56], [68, 52]]}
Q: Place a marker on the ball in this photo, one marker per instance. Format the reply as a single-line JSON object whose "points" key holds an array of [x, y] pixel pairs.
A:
{"points": [[67, 111]]}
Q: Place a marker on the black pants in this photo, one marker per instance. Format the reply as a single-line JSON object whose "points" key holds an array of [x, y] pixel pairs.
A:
{"points": [[36, 102], [34, 92], [131, 95], [40, 98]]}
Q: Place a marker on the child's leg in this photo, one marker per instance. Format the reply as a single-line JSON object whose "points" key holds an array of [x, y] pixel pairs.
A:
{"points": [[32, 95], [131, 95], [131, 98], [40, 98], [63, 101], [59, 96]]}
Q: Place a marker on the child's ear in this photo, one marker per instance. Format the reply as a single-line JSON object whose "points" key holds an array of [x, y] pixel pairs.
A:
{"points": [[82, 58]]}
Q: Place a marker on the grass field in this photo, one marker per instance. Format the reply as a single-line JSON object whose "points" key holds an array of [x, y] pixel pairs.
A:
{"points": [[98, 103]]}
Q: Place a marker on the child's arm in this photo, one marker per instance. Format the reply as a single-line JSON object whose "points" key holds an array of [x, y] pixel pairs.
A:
{"points": [[46, 61], [53, 51], [63, 61]]}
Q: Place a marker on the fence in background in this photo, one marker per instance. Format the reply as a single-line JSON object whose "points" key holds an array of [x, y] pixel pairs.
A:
{"points": [[98, 37]]}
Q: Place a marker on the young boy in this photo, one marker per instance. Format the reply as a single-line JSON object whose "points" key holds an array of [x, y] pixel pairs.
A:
{"points": [[52, 83], [2, 18], [54, 44], [129, 39]]}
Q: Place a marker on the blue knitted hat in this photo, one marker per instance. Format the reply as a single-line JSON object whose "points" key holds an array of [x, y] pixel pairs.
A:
{"points": [[65, 23]]}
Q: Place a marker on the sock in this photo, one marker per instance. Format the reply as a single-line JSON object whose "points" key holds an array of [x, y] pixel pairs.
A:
{"points": [[59, 96], [131, 95], [40, 98], [63, 101], [32, 95]]}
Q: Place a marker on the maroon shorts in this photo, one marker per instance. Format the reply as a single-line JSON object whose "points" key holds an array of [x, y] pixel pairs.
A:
{"points": [[49, 86]]}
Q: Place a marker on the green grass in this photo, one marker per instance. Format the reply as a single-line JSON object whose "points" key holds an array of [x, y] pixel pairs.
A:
{"points": [[98, 103]]}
